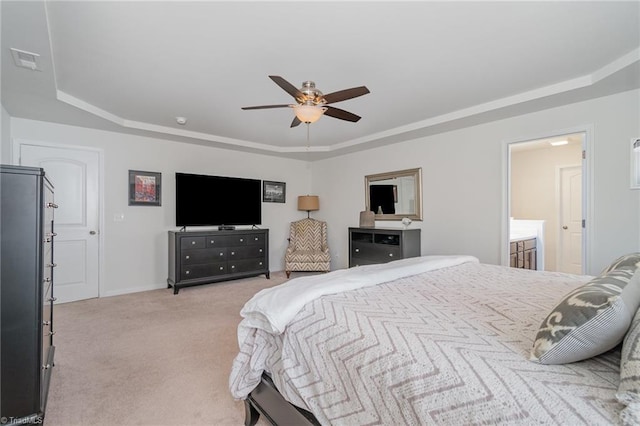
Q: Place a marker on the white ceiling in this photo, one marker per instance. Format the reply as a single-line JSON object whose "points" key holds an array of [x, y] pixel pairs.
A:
{"points": [[430, 66]]}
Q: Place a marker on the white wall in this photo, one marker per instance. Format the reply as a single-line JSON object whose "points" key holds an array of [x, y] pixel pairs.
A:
{"points": [[463, 181], [5, 135], [135, 251]]}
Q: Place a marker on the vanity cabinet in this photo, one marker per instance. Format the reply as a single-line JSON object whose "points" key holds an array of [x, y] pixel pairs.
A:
{"points": [[523, 254], [377, 245], [205, 257], [26, 293]]}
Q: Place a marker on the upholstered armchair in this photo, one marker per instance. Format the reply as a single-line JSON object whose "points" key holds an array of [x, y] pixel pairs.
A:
{"points": [[308, 249]]}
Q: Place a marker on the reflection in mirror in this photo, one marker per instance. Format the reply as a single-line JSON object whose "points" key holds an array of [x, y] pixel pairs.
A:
{"points": [[395, 195]]}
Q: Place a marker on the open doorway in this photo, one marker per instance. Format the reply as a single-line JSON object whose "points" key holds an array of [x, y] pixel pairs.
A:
{"points": [[546, 204]]}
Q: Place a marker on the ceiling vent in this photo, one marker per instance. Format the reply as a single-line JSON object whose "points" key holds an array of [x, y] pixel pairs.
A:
{"points": [[25, 59]]}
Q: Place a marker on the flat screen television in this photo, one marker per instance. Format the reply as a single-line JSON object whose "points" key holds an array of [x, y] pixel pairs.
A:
{"points": [[203, 200]]}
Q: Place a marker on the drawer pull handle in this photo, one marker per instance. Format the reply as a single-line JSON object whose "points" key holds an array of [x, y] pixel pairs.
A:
{"points": [[222, 254], [52, 206], [213, 241], [233, 266], [260, 264], [255, 239], [193, 242], [187, 257], [222, 268], [232, 253], [357, 250], [390, 254], [187, 272], [260, 250], [241, 239]]}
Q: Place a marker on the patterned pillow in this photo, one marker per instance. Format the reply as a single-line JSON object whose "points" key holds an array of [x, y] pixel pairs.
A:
{"points": [[629, 388], [590, 320], [631, 260]]}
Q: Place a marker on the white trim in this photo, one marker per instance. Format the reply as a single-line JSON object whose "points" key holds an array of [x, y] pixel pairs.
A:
{"points": [[634, 160], [129, 290], [15, 147], [587, 189], [558, 192]]}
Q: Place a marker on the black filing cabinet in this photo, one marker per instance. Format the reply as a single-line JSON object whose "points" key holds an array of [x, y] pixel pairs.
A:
{"points": [[26, 293]]}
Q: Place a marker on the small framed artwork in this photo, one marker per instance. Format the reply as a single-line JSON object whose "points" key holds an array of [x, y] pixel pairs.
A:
{"points": [[145, 188], [635, 163], [273, 192]]}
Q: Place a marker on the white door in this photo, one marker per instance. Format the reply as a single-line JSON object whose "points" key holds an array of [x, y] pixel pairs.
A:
{"points": [[570, 232], [75, 175]]}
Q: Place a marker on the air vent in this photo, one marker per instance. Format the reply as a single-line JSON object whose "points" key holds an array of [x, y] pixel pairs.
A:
{"points": [[25, 59]]}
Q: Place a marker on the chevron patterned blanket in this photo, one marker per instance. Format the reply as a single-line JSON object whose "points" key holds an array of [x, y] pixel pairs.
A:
{"points": [[447, 346]]}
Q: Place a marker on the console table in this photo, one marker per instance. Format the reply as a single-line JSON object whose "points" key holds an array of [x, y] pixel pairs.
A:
{"points": [[210, 256], [378, 245]]}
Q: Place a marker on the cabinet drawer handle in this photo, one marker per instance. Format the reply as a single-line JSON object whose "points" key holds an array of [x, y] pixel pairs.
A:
{"points": [[213, 241], [260, 250], [222, 254], [187, 272], [260, 263], [222, 268], [241, 239], [193, 242], [233, 266], [255, 239], [187, 257], [233, 253], [390, 254], [52, 206], [357, 250]]}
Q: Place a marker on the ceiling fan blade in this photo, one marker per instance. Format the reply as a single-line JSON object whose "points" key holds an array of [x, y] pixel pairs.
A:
{"points": [[341, 114], [288, 87], [296, 122], [267, 106], [343, 95]]}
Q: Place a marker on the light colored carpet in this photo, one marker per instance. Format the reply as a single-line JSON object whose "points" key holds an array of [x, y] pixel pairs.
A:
{"points": [[150, 358]]}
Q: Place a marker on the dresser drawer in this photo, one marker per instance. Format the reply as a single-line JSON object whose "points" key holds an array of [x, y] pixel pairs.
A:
{"points": [[246, 265], [217, 240], [196, 256], [192, 242], [256, 239], [246, 252], [191, 272], [376, 253], [239, 240]]}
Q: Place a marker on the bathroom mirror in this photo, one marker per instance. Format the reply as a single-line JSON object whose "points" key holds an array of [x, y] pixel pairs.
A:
{"points": [[395, 195]]}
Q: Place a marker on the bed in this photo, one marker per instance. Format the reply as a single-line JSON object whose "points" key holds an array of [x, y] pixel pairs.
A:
{"points": [[430, 340]]}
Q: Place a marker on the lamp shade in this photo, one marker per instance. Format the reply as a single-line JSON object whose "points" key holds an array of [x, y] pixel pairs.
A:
{"points": [[308, 202], [308, 113]]}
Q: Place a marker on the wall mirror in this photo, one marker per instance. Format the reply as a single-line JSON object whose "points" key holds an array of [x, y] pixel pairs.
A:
{"points": [[395, 195]]}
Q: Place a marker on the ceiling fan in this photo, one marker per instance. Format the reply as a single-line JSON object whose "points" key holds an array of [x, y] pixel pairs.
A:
{"points": [[312, 104]]}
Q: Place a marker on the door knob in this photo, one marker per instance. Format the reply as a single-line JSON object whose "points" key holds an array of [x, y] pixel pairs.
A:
{"points": [[565, 227]]}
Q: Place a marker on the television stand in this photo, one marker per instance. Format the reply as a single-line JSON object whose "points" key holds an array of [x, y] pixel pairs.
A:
{"points": [[203, 257]]}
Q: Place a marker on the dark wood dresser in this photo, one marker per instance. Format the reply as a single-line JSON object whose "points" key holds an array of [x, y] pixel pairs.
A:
{"points": [[26, 293], [205, 257], [523, 253], [379, 245]]}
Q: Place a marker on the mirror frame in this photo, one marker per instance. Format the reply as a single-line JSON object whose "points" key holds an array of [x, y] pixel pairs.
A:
{"points": [[417, 177]]}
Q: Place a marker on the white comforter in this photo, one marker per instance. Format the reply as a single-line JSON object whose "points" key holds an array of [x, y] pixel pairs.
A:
{"points": [[445, 346]]}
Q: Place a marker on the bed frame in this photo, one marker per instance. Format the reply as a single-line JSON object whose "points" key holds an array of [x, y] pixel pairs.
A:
{"points": [[266, 400]]}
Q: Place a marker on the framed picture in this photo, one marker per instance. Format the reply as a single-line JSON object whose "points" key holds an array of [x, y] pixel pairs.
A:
{"points": [[273, 192], [145, 188], [635, 163]]}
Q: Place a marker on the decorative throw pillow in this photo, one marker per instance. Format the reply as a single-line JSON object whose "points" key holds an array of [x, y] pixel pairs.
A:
{"points": [[631, 260], [590, 320], [629, 388]]}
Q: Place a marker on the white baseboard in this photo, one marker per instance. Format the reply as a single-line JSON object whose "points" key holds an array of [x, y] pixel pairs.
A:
{"points": [[130, 290]]}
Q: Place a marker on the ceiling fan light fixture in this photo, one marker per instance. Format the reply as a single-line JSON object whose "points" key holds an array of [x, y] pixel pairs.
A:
{"points": [[308, 113]]}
